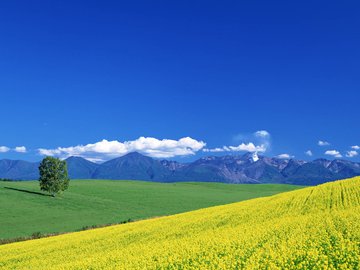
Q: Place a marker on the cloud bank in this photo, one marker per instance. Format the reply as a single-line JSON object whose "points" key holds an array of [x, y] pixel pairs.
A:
{"points": [[333, 153], [149, 146], [249, 147], [258, 141]]}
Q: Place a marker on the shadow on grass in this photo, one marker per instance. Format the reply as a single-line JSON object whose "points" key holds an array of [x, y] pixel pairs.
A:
{"points": [[28, 191]]}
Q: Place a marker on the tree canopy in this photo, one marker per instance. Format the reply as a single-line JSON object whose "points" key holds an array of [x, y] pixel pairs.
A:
{"points": [[53, 175]]}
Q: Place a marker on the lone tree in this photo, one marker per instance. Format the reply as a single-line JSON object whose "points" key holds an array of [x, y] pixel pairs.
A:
{"points": [[53, 175]]}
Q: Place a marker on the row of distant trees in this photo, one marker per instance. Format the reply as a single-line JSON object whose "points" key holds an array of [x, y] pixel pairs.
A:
{"points": [[6, 180]]}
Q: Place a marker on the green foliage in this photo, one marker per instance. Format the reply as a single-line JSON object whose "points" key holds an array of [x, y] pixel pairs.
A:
{"points": [[95, 202], [53, 175], [6, 180]]}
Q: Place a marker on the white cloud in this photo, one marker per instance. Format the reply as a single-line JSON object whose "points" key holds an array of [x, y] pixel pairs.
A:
{"points": [[20, 149], [351, 153], [262, 134], [214, 150], [149, 146], [309, 153], [4, 149], [258, 141], [333, 153], [323, 143], [284, 156], [356, 147], [249, 147], [243, 147]]}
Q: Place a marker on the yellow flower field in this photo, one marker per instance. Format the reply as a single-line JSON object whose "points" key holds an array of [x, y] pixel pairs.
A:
{"points": [[311, 228]]}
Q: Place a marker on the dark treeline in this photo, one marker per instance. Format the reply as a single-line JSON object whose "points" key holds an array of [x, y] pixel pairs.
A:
{"points": [[6, 180]]}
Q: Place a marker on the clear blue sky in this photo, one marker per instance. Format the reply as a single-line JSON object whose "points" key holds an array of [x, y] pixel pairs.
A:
{"points": [[77, 72]]}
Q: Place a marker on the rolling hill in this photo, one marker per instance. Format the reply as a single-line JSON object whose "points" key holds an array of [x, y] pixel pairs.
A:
{"points": [[312, 228], [248, 168], [24, 210]]}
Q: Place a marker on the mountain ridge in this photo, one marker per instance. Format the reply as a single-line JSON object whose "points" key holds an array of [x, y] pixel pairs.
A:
{"points": [[247, 168]]}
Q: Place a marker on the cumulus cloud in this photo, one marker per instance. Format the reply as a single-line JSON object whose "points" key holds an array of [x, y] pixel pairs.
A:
{"points": [[20, 149], [243, 147], [323, 143], [262, 134], [284, 156], [333, 153], [351, 153], [249, 147], [356, 147], [4, 149], [149, 146], [309, 153]]}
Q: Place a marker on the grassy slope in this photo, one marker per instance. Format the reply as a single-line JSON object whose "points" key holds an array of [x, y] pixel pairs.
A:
{"points": [[94, 202], [312, 228]]}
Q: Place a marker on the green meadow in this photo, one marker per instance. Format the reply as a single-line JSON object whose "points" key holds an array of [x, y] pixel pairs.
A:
{"points": [[25, 210]]}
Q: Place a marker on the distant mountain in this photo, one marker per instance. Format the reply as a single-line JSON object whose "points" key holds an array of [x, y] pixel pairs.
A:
{"points": [[322, 170], [132, 166], [19, 169], [228, 169], [247, 168], [80, 168]]}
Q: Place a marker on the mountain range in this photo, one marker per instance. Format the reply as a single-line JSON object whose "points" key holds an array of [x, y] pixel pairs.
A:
{"points": [[247, 168]]}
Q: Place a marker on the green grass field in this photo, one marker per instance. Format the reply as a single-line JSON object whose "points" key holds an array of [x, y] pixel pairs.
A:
{"points": [[25, 210]]}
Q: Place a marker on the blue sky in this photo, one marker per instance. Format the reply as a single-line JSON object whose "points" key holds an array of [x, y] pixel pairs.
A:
{"points": [[74, 73]]}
